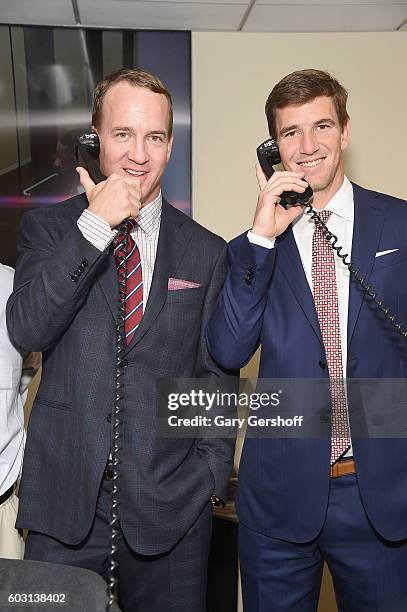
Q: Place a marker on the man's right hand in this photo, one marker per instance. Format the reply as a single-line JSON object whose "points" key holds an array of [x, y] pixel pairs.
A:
{"points": [[271, 219], [114, 199]]}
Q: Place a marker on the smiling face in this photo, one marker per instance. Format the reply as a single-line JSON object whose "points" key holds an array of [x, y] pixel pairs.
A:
{"points": [[133, 133], [310, 139]]}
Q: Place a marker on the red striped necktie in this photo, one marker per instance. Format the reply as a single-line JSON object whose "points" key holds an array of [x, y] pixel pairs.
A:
{"points": [[134, 285]]}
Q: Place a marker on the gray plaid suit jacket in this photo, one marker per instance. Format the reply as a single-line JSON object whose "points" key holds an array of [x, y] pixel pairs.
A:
{"points": [[165, 483]]}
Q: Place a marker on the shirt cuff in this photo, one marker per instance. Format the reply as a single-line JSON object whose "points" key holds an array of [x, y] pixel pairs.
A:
{"points": [[261, 240], [96, 230]]}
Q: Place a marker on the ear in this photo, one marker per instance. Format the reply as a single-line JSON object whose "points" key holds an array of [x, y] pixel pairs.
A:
{"points": [[345, 136], [169, 147]]}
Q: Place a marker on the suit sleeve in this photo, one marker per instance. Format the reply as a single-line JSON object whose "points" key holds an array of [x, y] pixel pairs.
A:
{"points": [[233, 333], [51, 282]]}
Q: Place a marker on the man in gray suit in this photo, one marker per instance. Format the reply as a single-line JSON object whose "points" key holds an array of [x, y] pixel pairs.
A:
{"points": [[64, 304]]}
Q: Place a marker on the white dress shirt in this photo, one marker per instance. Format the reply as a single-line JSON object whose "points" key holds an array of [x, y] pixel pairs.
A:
{"points": [[14, 380], [145, 235], [340, 223]]}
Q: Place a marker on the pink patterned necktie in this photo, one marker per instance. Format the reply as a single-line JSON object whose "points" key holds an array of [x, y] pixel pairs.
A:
{"points": [[134, 286], [326, 305]]}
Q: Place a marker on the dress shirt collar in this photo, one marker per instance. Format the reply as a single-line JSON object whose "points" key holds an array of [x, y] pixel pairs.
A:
{"points": [[341, 205], [342, 202], [150, 215]]}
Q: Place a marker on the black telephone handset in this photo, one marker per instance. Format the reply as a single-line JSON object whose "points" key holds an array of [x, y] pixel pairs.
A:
{"points": [[268, 156], [87, 149]]}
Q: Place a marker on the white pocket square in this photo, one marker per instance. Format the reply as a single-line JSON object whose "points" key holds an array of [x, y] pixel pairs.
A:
{"points": [[380, 253]]}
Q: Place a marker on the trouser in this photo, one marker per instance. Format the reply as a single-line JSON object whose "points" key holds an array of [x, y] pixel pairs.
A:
{"points": [[11, 542], [172, 582], [368, 572]]}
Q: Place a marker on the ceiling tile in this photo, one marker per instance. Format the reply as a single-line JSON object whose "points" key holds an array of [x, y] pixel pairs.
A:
{"points": [[37, 12], [325, 18], [245, 2], [330, 2], [161, 15]]}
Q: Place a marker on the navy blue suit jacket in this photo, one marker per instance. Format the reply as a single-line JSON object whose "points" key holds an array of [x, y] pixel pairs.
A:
{"points": [[267, 301]]}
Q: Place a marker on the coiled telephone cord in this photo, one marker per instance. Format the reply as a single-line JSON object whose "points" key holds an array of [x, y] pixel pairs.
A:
{"points": [[112, 580], [354, 272]]}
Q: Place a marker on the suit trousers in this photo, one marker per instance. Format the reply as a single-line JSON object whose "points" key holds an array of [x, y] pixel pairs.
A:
{"points": [[11, 542], [368, 572], [171, 582]]}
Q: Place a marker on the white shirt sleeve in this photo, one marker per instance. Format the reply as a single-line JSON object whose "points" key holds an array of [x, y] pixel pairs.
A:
{"points": [[96, 230], [261, 240]]}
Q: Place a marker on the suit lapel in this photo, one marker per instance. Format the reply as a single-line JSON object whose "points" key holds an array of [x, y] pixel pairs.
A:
{"points": [[367, 228], [173, 241], [108, 282], [291, 267]]}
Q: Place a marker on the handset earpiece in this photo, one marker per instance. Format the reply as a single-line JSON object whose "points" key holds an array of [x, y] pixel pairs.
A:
{"points": [[268, 156], [87, 150]]}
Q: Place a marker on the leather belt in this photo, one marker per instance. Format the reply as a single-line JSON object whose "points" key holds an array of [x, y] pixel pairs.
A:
{"points": [[7, 494], [342, 468]]}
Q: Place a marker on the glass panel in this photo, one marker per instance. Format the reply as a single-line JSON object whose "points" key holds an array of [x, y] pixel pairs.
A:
{"points": [[47, 77]]}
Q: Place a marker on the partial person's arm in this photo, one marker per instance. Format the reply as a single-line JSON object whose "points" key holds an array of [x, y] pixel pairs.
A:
{"points": [[233, 333], [55, 269]]}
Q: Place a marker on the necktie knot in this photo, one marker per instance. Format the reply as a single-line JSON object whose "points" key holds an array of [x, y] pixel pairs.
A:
{"points": [[120, 239], [324, 215]]}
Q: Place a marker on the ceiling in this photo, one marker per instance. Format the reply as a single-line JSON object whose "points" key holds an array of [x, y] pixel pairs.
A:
{"points": [[213, 15]]}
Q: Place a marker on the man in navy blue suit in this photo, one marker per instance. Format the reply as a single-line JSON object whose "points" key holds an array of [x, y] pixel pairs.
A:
{"points": [[339, 498]]}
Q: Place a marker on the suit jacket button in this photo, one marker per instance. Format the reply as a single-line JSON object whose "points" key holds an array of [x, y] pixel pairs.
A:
{"points": [[322, 364], [109, 417]]}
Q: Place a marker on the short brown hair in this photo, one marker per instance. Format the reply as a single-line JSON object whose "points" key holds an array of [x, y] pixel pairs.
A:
{"points": [[301, 87], [136, 77]]}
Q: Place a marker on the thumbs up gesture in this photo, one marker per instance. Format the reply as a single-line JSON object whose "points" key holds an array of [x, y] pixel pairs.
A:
{"points": [[114, 199]]}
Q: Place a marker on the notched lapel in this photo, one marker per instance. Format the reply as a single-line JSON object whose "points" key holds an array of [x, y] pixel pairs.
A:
{"points": [[289, 262], [173, 240], [370, 213]]}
